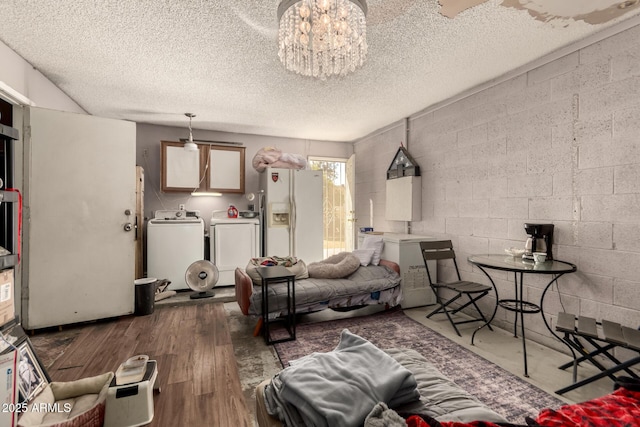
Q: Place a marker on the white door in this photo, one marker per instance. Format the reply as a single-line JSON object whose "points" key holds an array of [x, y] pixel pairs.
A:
{"points": [[277, 211], [349, 204], [308, 218], [80, 180]]}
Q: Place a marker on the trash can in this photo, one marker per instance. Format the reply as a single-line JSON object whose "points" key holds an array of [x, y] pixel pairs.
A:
{"points": [[145, 295]]}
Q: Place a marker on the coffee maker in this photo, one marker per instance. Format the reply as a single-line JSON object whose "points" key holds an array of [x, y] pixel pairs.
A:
{"points": [[540, 240]]}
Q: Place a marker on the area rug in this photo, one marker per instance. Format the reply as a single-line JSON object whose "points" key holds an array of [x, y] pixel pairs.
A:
{"points": [[256, 361], [502, 391]]}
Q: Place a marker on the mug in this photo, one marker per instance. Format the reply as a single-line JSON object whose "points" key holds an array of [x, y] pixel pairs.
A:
{"points": [[539, 256]]}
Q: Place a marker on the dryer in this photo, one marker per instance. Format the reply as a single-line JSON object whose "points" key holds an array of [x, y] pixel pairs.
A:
{"points": [[175, 239], [233, 241]]}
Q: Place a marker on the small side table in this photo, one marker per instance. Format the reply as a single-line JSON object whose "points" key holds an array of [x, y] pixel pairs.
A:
{"points": [[518, 304], [278, 273]]}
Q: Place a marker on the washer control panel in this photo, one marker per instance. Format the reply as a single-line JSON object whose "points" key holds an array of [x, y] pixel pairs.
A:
{"points": [[176, 214]]}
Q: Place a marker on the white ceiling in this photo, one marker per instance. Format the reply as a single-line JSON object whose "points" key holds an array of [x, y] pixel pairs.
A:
{"points": [[152, 61]]}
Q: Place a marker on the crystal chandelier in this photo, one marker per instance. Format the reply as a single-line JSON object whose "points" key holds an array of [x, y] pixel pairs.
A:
{"points": [[321, 38]]}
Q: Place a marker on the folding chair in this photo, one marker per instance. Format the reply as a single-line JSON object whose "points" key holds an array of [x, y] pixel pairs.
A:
{"points": [[442, 250], [603, 339]]}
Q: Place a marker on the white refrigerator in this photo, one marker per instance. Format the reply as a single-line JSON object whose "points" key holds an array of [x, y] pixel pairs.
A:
{"points": [[292, 214]]}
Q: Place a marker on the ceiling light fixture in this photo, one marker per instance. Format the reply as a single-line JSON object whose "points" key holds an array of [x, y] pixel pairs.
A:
{"points": [[190, 145], [206, 194], [321, 38]]}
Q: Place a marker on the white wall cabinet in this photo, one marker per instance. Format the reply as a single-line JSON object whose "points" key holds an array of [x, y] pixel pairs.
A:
{"points": [[404, 199], [180, 168], [211, 168], [226, 169]]}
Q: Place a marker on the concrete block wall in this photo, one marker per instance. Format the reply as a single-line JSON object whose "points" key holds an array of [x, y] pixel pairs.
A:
{"points": [[558, 144]]}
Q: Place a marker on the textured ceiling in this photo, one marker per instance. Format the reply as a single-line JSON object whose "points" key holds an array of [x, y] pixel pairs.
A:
{"points": [[151, 61]]}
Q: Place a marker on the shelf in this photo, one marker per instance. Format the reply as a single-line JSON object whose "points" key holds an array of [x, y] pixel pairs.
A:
{"points": [[8, 196], [519, 306], [8, 217], [8, 261], [8, 131]]}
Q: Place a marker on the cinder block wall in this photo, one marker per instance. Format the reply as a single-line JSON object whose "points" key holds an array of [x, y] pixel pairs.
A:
{"points": [[559, 144]]}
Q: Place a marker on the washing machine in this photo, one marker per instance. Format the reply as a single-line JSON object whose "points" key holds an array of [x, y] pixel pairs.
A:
{"points": [[175, 239], [233, 241]]}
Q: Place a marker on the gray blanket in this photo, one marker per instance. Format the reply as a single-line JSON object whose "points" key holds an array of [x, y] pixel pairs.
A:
{"points": [[340, 387], [440, 398], [364, 280]]}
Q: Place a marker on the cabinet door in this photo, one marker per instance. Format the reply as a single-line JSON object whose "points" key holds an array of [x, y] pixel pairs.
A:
{"points": [[226, 169], [180, 168], [211, 168]]}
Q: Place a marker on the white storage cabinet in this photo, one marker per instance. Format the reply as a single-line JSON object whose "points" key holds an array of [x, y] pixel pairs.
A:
{"points": [[404, 250]]}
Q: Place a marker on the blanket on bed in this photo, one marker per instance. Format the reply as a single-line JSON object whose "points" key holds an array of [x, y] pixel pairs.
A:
{"points": [[340, 387], [364, 281]]}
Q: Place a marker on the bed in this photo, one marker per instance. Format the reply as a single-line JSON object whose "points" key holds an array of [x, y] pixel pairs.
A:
{"points": [[368, 285]]}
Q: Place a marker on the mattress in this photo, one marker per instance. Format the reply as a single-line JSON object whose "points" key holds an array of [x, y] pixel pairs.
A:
{"points": [[366, 286]]}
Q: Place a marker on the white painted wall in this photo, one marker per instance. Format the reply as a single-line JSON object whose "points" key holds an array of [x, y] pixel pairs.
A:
{"points": [[22, 77], [560, 144]]}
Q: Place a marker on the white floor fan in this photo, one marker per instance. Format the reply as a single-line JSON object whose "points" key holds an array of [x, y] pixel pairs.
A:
{"points": [[201, 276]]}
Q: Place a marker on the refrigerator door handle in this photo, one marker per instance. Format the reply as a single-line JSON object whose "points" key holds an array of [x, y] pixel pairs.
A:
{"points": [[292, 219]]}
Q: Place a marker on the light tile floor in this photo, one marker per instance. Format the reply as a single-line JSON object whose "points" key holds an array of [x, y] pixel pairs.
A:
{"points": [[503, 349]]}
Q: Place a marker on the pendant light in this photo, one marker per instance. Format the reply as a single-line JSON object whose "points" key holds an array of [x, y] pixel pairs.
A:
{"points": [[190, 145]]}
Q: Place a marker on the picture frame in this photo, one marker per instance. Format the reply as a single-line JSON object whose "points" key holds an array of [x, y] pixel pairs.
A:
{"points": [[31, 377], [12, 336]]}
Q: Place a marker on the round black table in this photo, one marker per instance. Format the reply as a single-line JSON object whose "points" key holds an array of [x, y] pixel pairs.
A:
{"points": [[520, 267]]}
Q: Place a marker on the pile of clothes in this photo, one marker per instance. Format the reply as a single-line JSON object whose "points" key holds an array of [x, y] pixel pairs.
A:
{"points": [[339, 388]]}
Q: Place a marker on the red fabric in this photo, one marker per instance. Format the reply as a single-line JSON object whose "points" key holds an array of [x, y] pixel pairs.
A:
{"points": [[471, 424], [416, 421], [618, 409]]}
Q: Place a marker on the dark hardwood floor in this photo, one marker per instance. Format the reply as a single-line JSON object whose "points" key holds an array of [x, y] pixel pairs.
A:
{"points": [[197, 372]]}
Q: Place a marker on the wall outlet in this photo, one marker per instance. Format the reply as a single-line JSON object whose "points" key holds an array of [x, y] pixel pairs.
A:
{"points": [[181, 206]]}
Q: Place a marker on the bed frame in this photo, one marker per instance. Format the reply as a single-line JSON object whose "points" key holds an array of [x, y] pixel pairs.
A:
{"points": [[244, 286]]}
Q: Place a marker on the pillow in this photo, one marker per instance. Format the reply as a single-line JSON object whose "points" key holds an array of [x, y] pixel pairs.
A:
{"points": [[376, 243], [364, 255], [336, 266]]}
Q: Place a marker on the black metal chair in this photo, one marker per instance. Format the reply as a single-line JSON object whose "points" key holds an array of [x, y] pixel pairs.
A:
{"points": [[442, 250], [603, 338]]}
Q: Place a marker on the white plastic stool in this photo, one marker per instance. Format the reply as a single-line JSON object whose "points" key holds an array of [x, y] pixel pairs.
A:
{"points": [[131, 405]]}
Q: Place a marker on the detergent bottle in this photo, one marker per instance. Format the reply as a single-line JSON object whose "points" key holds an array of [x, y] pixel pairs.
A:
{"points": [[232, 212]]}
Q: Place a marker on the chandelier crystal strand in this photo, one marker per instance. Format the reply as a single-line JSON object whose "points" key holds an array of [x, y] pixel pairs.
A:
{"points": [[321, 38]]}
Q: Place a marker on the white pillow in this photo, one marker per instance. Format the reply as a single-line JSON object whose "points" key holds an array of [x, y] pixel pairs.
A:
{"points": [[376, 243], [364, 255]]}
